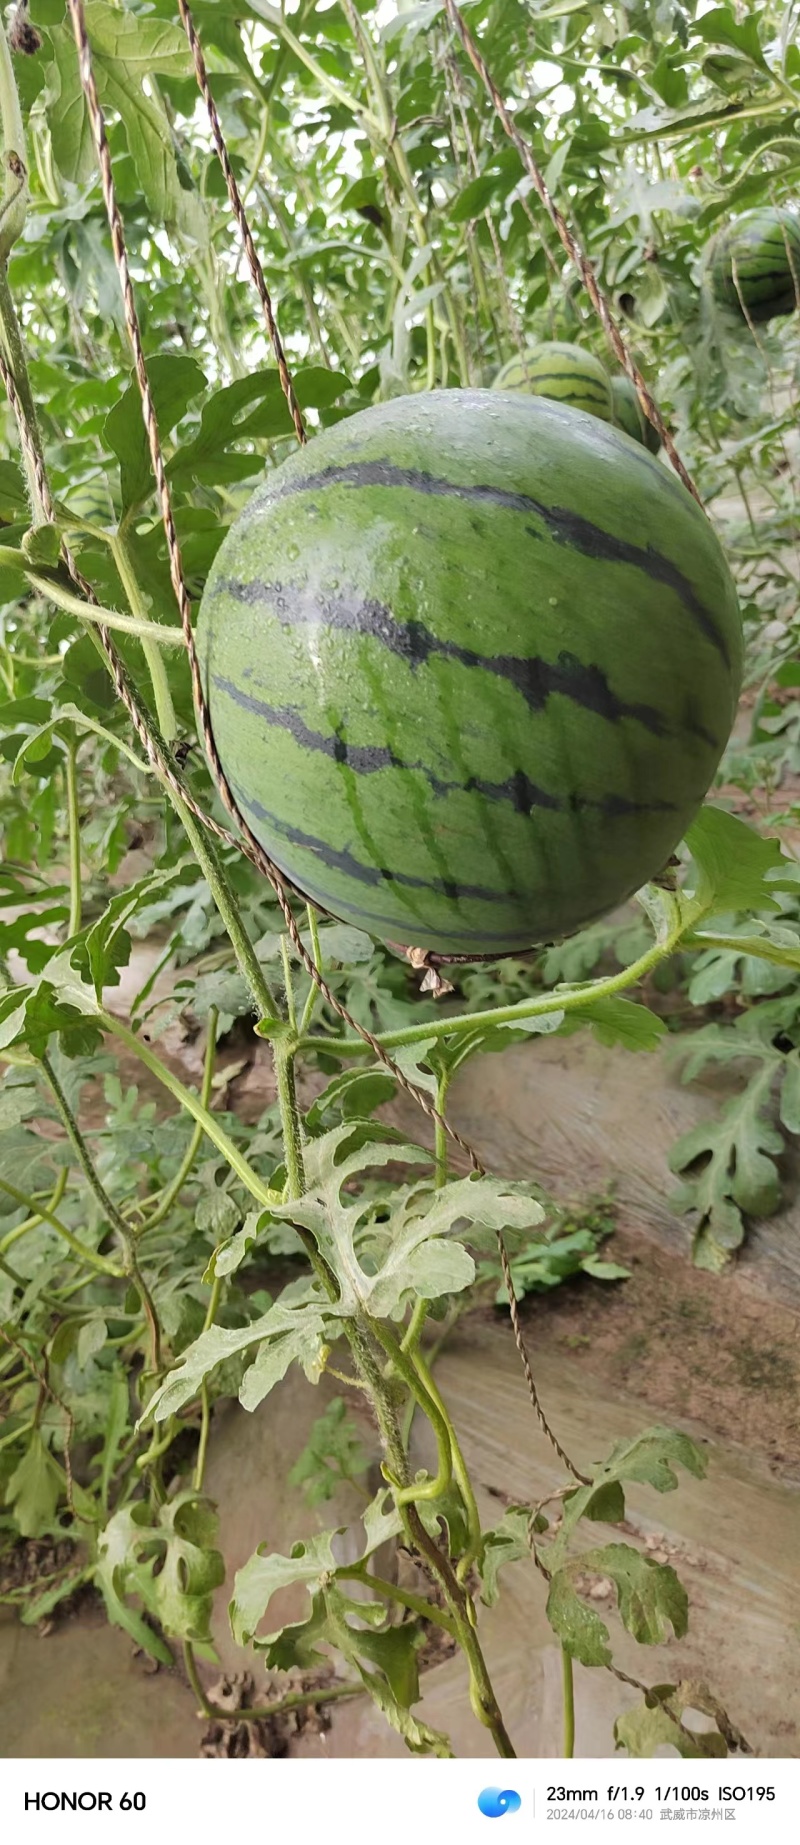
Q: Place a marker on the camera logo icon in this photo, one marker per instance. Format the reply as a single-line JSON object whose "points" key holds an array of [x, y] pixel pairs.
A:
{"points": [[495, 1802]]}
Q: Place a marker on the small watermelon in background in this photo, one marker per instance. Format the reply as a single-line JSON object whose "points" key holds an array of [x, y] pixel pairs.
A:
{"points": [[564, 373], [629, 415], [756, 260], [470, 668]]}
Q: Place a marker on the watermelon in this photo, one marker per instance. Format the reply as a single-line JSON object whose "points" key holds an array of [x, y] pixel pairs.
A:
{"points": [[755, 260], [563, 372], [470, 668], [629, 415]]}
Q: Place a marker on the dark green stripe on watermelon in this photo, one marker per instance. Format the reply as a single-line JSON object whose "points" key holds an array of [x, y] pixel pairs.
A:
{"points": [[562, 372], [567, 525], [755, 263], [470, 666]]}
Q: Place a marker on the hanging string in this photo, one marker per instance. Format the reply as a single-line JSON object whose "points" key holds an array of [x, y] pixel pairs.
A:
{"points": [[256, 851], [573, 249], [237, 205]]}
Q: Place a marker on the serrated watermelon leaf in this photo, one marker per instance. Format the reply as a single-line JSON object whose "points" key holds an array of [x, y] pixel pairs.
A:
{"points": [[508, 1542], [175, 380], [735, 868], [252, 409], [649, 1459], [658, 1723], [127, 51], [581, 1632], [650, 1597], [380, 1261], [168, 1561], [34, 1489], [284, 1332], [616, 1021], [739, 1177]]}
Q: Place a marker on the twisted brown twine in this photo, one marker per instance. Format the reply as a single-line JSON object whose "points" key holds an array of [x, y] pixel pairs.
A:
{"points": [[122, 684], [238, 209], [573, 249]]}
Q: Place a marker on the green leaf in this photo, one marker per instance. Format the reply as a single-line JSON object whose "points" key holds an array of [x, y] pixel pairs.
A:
{"points": [[128, 51], [301, 1326], [508, 1542], [334, 1452], [739, 1176], [67, 114], [649, 1459], [720, 27], [617, 1021], [168, 1561], [26, 1160], [273, 1361], [85, 676], [379, 1262], [251, 409], [116, 1425], [309, 1561], [42, 546], [13, 497], [650, 1597], [35, 1489], [174, 381], [581, 1632], [658, 1723], [736, 869], [217, 1213], [361, 1632], [91, 1339], [353, 1095], [790, 1093]]}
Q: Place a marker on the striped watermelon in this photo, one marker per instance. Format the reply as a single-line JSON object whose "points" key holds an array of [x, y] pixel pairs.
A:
{"points": [[470, 668], [629, 415], [563, 372], [756, 260]]}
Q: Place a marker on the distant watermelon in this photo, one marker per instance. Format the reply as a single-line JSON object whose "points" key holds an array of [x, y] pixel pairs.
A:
{"points": [[629, 415], [756, 260], [563, 372], [470, 667]]}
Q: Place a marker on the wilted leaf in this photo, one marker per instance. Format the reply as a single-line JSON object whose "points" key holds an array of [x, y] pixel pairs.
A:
{"points": [[658, 1723]]}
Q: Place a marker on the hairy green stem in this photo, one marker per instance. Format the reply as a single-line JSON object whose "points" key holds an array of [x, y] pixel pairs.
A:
{"points": [[194, 1107], [405, 1368], [264, 1001], [290, 1118], [417, 1604], [558, 999], [13, 212], [108, 1207], [293, 1700], [33, 1222], [174, 1190], [74, 829], [165, 710], [14, 353], [568, 1700], [74, 1243], [154, 633], [205, 1405], [474, 1544], [313, 991]]}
